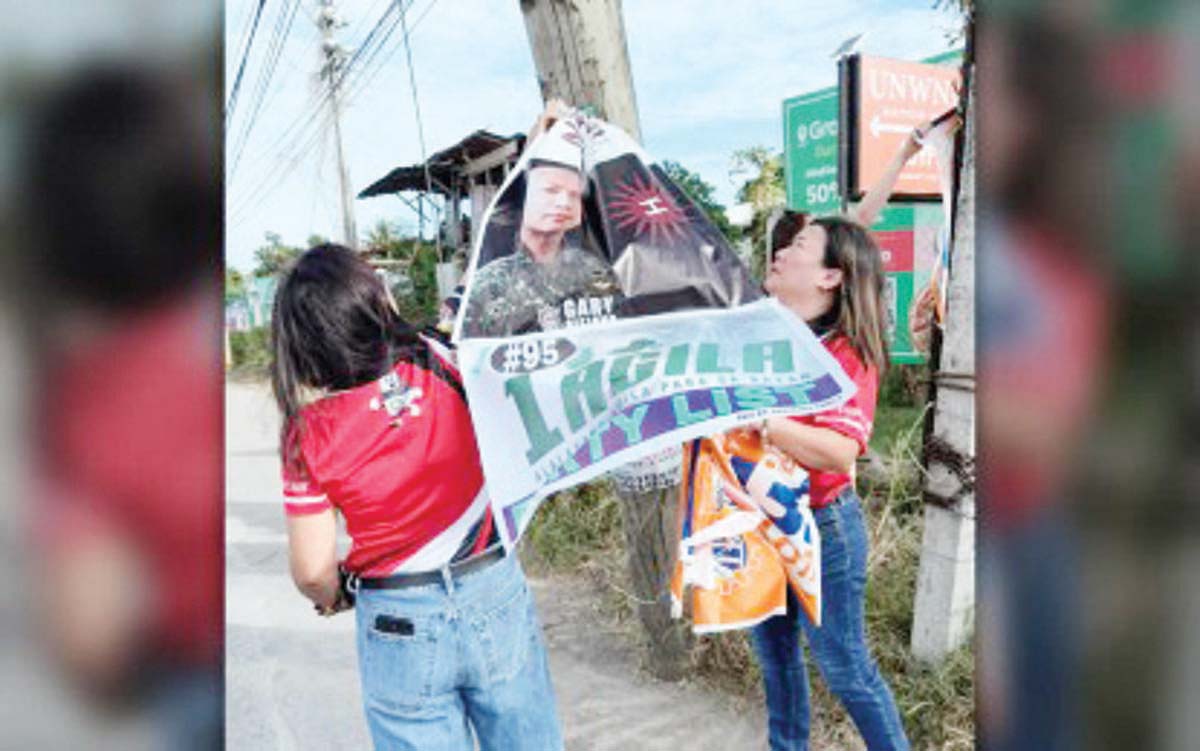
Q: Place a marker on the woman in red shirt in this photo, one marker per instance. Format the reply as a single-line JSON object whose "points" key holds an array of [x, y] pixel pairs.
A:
{"points": [[376, 426], [829, 273]]}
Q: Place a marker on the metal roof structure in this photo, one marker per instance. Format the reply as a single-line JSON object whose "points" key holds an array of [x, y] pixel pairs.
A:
{"points": [[445, 166]]}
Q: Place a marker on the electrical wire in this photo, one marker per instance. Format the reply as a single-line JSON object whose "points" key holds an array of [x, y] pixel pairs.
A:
{"points": [[248, 43], [353, 78], [282, 31]]}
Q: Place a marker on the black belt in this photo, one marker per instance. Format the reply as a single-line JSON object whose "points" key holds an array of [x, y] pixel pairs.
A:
{"points": [[423, 578]]}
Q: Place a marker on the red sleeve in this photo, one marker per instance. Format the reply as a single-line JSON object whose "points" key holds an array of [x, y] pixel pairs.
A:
{"points": [[856, 418], [302, 494]]}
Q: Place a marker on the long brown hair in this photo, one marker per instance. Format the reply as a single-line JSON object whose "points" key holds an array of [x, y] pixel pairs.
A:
{"points": [[858, 307]]}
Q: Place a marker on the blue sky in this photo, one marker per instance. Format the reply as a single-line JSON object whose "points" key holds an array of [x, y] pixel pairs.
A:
{"points": [[709, 76]]}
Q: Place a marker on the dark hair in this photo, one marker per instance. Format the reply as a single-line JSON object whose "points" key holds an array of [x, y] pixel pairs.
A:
{"points": [[121, 188], [858, 310], [787, 226], [332, 327]]}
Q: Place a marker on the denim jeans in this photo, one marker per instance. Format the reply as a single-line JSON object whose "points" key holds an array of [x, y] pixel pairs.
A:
{"points": [[464, 656], [839, 646]]}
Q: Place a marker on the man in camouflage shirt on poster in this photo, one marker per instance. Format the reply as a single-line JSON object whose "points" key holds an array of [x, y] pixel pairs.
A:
{"points": [[549, 282]]}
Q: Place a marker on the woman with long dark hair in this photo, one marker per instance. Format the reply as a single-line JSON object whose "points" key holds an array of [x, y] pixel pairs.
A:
{"points": [[376, 427]]}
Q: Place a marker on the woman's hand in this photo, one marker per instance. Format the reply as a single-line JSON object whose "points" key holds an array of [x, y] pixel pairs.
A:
{"points": [[915, 142], [555, 110], [920, 319], [874, 200], [813, 448]]}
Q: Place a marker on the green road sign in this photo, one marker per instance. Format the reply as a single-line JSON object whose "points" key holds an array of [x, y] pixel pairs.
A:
{"points": [[810, 150]]}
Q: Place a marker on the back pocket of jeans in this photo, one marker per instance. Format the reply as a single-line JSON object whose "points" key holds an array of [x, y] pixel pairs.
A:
{"points": [[506, 634], [398, 657]]}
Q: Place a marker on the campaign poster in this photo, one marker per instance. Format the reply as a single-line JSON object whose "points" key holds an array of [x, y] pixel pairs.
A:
{"points": [[555, 409]]}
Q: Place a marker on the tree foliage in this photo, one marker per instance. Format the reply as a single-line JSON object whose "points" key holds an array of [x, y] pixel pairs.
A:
{"points": [[763, 171], [235, 284], [763, 188], [702, 193], [411, 271], [272, 258]]}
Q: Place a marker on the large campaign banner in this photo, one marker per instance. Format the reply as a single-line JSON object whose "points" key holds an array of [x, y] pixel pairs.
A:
{"points": [[586, 229], [558, 408]]}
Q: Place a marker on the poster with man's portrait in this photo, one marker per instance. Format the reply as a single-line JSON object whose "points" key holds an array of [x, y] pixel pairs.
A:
{"points": [[586, 230]]}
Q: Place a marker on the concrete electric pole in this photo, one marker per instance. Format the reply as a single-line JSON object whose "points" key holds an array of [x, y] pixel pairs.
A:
{"points": [[332, 71], [580, 54], [944, 610]]}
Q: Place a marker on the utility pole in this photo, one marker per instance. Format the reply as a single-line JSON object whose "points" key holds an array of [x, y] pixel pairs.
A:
{"points": [[944, 609], [581, 57], [332, 71]]}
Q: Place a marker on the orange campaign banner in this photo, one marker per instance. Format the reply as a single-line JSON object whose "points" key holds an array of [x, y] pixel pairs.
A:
{"points": [[883, 100], [746, 534]]}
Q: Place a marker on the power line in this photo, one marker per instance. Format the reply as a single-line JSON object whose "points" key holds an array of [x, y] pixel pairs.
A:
{"points": [[366, 71], [302, 134], [275, 176], [281, 32], [283, 26], [297, 140], [323, 99], [412, 82], [237, 80]]}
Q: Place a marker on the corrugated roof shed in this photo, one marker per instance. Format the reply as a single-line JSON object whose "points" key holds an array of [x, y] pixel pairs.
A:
{"points": [[443, 166]]}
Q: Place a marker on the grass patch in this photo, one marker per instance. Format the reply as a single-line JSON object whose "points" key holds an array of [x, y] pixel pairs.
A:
{"points": [[574, 528], [250, 352]]}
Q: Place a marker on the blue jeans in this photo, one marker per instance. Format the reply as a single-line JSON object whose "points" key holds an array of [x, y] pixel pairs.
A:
{"points": [[839, 646], [442, 661]]}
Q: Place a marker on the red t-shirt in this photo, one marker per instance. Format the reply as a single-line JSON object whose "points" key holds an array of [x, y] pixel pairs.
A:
{"points": [[398, 458], [854, 419], [1042, 354], [132, 451]]}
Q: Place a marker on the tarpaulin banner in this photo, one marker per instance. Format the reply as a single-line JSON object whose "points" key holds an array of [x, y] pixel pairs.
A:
{"points": [[555, 409], [587, 229], [940, 140], [746, 532]]}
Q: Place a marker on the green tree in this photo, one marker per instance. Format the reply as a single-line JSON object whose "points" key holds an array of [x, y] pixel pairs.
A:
{"points": [[274, 257], [235, 284], [702, 193], [762, 188], [411, 266]]}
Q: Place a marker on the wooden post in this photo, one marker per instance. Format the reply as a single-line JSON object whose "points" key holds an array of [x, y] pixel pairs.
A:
{"points": [[580, 54], [944, 611], [648, 520]]}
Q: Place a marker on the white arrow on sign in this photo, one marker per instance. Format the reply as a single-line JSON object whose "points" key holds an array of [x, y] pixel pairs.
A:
{"points": [[878, 127]]}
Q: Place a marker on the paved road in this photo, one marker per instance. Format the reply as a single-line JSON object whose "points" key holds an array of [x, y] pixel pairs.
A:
{"points": [[291, 677]]}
